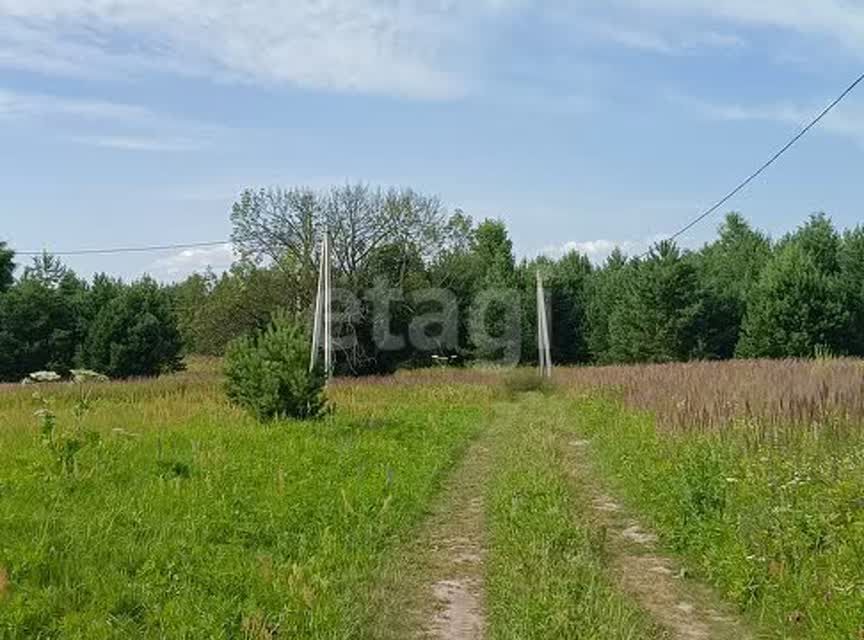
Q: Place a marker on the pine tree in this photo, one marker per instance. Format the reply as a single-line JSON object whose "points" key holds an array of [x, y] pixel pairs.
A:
{"points": [[658, 316], [852, 277], [7, 267], [728, 270], [604, 292], [795, 309]]}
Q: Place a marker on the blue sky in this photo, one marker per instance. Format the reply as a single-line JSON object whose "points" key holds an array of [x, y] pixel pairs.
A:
{"points": [[134, 122]]}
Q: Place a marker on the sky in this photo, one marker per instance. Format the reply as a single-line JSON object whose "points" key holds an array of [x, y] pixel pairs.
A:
{"points": [[583, 125]]}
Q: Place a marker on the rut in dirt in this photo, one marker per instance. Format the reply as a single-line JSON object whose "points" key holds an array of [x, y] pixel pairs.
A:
{"points": [[686, 608], [439, 592]]}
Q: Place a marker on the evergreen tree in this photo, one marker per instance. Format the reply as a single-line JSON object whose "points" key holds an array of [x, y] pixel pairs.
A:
{"points": [[566, 289], [135, 334], [728, 270], [852, 277], [46, 269], [795, 309], [494, 329], [7, 267], [38, 329], [658, 315], [604, 292], [819, 239]]}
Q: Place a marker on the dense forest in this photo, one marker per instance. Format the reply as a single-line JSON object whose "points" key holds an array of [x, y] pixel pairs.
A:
{"points": [[742, 295]]}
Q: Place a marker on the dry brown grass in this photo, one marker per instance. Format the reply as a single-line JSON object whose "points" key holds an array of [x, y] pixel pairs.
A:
{"points": [[432, 376], [712, 394]]}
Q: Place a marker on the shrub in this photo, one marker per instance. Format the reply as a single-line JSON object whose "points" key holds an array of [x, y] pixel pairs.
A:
{"points": [[135, 334], [268, 373], [523, 380]]}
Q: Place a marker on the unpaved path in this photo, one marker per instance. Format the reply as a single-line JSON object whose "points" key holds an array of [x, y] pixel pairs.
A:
{"points": [[689, 610], [436, 590]]}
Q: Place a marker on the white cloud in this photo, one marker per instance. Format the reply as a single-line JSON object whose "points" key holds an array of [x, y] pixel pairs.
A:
{"points": [[188, 261], [595, 250], [845, 120], [835, 19], [409, 48], [132, 143], [665, 42], [415, 48], [598, 250], [592, 248], [31, 105], [106, 124]]}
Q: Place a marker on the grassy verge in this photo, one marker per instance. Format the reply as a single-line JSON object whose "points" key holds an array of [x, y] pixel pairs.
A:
{"points": [[774, 518], [160, 512], [545, 573]]}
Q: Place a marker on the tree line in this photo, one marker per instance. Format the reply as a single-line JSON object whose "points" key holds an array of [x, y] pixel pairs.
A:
{"points": [[50, 319], [741, 295]]}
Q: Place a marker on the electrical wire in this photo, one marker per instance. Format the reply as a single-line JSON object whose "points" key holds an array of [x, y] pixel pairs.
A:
{"points": [[117, 250], [743, 185]]}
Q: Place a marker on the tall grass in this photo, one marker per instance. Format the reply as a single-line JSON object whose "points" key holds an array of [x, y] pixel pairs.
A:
{"points": [[181, 518], [711, 395], [776, 523], [546, 575]]}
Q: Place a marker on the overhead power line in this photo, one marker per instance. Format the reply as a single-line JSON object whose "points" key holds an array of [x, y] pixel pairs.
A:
{"points": [[115, 250], [743, 185]]}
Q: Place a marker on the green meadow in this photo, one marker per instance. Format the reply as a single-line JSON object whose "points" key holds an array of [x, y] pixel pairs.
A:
{"points": [[153, 509]]}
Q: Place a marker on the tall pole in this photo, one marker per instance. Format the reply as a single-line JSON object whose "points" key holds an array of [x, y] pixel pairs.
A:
{"points": [[328, 311], [316, 321], [323, 321], [543, 346]]}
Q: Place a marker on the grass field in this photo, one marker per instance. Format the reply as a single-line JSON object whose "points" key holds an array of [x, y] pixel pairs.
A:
{"points": [[153, 509], [754, 472], [180, 518]]}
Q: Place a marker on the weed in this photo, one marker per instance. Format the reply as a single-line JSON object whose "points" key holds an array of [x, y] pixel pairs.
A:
{"points": [[520, 381], [64, 444]]}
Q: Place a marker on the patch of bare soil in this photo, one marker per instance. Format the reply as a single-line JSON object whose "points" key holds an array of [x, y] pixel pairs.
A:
{"points": [[4, 583], [435, 589], [686, 608]]}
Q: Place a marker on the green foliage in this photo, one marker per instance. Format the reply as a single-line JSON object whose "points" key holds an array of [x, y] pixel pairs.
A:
{"points": [[775, 522], [212, 311], [568, 308], [795, 308], [605, 293], [39, 329], [546, 568], [819, 240], [135, 334], [268, 374], [63, 442], [523, 380], [728, 270], [493, 249], [46, 269], [7, 267], [659, 310], [735, 296], [191, 524], [566, 282], [852, 279], [491, 319]]}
